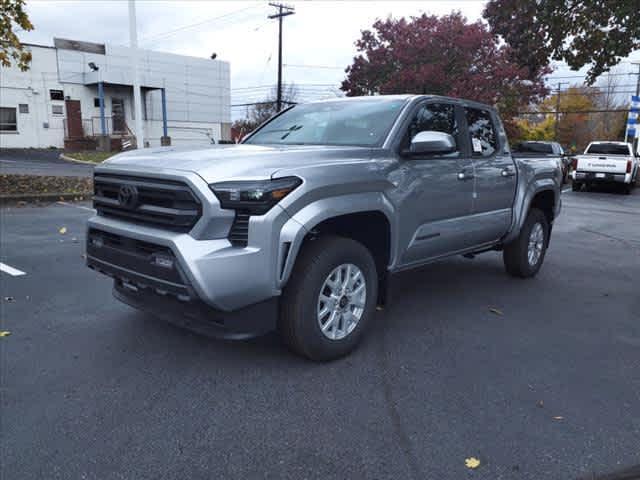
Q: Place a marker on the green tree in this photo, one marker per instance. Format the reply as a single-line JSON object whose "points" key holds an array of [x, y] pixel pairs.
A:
{"points": [[575, 127], [580, 32], [13, 18], [543, 130]]}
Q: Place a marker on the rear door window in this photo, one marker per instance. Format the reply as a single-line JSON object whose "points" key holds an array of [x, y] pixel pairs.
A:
{"points": [[482, 132]]}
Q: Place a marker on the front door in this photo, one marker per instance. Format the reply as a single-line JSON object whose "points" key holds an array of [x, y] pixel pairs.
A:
{"points": [[74, 119], [117, 115], [435, 192], [495, 176]]}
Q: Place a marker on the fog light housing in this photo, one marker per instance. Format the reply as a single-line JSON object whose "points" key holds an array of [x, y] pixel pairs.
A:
{"points": [[163, 261]]}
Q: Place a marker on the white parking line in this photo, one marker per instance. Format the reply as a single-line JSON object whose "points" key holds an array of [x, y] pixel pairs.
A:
{"points": [[566, 190], [66, 204], [10, 270]]}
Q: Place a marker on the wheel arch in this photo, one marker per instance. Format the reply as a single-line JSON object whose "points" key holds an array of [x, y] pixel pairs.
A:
{"points": [[542, 195], [366, 218]]}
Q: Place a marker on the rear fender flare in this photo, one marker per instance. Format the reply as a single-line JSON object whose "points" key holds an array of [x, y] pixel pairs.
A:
{"points": [[523, 204]]}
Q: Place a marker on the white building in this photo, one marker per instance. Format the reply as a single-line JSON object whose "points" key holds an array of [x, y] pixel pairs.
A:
{"points": [[58, 98]]}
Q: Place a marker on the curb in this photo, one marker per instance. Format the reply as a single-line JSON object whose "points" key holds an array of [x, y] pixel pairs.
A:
{"points": [[42, 197], [69, 159]]}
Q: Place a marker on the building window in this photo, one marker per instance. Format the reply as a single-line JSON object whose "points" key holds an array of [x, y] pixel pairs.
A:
{"points": [[8, 121], [57, 109], [96, 102], [56, 94], [23, 108]]}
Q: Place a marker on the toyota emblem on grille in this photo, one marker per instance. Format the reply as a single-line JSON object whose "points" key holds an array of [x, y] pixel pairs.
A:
{"points": [[128, 196]]}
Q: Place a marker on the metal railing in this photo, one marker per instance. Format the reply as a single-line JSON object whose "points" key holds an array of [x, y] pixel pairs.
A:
{"points": [[92, 127]]}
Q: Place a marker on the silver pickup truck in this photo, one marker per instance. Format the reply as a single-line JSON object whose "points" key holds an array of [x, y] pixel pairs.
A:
{"points": [[301, 227]]}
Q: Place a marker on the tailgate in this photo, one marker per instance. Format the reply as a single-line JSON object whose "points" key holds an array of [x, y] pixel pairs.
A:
{"points": [[602, 163]]}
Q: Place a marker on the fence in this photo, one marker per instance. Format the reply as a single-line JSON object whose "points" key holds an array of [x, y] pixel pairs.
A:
{"points": [[92, 127]]}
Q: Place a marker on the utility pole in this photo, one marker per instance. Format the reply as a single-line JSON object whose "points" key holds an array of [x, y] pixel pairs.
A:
{"points": [[137, 98], [557, 110], [283, 11]]}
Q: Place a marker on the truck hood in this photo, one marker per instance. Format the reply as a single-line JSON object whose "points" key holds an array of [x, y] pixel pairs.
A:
{"points": [[603, 163], [225, 162]]}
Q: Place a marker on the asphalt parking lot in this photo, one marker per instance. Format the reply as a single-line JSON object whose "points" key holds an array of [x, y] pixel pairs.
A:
{"points": [[40, 162], [545, 386]]}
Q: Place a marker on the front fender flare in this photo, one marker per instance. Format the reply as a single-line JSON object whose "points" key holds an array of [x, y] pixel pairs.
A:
{"points": [[304, 220]]}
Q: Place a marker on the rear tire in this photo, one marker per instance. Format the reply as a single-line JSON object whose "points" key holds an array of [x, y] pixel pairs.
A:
{"points": [[627, 188], [576, 186], [326, 266], [523, 257]]}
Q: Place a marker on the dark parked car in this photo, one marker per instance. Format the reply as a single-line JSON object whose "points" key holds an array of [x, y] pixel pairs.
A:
{"points": [[550, 148]]}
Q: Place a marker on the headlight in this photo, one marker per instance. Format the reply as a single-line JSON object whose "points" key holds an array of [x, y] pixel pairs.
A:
{"points": [[256, 197]]}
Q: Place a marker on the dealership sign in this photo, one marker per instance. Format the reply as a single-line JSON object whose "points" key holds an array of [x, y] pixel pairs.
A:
{"points": [[632, 119]]}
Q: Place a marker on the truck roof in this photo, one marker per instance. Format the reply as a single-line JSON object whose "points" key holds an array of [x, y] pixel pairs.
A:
{"points": [[408, 97]]}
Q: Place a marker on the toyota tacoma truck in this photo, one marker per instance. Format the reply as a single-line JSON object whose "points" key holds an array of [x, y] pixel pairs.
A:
{"points": [[302, 226], [606, 162]]}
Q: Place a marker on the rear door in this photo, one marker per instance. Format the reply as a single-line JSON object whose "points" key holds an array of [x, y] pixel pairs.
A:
{"points": [[434, 192], [496, 176]]}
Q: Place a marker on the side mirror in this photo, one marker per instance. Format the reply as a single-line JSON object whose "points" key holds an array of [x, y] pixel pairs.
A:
{"points": [[431, 142]]}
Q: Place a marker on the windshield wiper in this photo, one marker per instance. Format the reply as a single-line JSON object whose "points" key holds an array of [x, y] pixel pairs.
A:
{"points": [[292, 128]]}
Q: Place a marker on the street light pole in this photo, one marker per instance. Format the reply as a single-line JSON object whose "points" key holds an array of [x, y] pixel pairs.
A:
{"points": [[137, 97]]}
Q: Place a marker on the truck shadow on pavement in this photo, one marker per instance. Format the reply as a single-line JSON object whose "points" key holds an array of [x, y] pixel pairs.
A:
{"points": [[418, 299]]}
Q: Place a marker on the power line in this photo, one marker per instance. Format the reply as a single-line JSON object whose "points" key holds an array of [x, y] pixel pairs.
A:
{"points": [[291, 65], [193, 25]]}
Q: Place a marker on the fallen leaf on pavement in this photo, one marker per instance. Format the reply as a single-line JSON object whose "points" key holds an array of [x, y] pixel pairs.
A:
{"points": [[495, 310], [558, 418], [472, 462], [5, 333], [540, 403], [9, 299], [63, 230]]}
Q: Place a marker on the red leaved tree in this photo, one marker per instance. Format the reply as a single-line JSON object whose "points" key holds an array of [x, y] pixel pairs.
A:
{"points": [[443, 56]]}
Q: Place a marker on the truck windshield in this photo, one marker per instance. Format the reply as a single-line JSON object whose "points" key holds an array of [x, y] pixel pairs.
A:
{"points": [[608, 149], [349, 123]]}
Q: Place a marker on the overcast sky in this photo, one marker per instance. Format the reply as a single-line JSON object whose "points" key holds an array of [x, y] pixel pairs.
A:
{"points": [[320, 35]]}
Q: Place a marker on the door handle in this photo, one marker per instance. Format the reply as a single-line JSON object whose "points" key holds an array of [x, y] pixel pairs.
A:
{"points": [[465, 176], [507, 172]]}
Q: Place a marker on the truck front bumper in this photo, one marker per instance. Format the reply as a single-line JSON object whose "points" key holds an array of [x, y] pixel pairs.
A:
{"points": [[207, 286], [601, 177]]}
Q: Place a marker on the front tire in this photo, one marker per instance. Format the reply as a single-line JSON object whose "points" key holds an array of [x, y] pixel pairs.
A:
{"points": [[523, 257], [330, 298]]}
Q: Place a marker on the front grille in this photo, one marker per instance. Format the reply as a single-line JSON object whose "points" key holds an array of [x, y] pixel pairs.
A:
{"points": [[239, 233], [165, 204]]}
